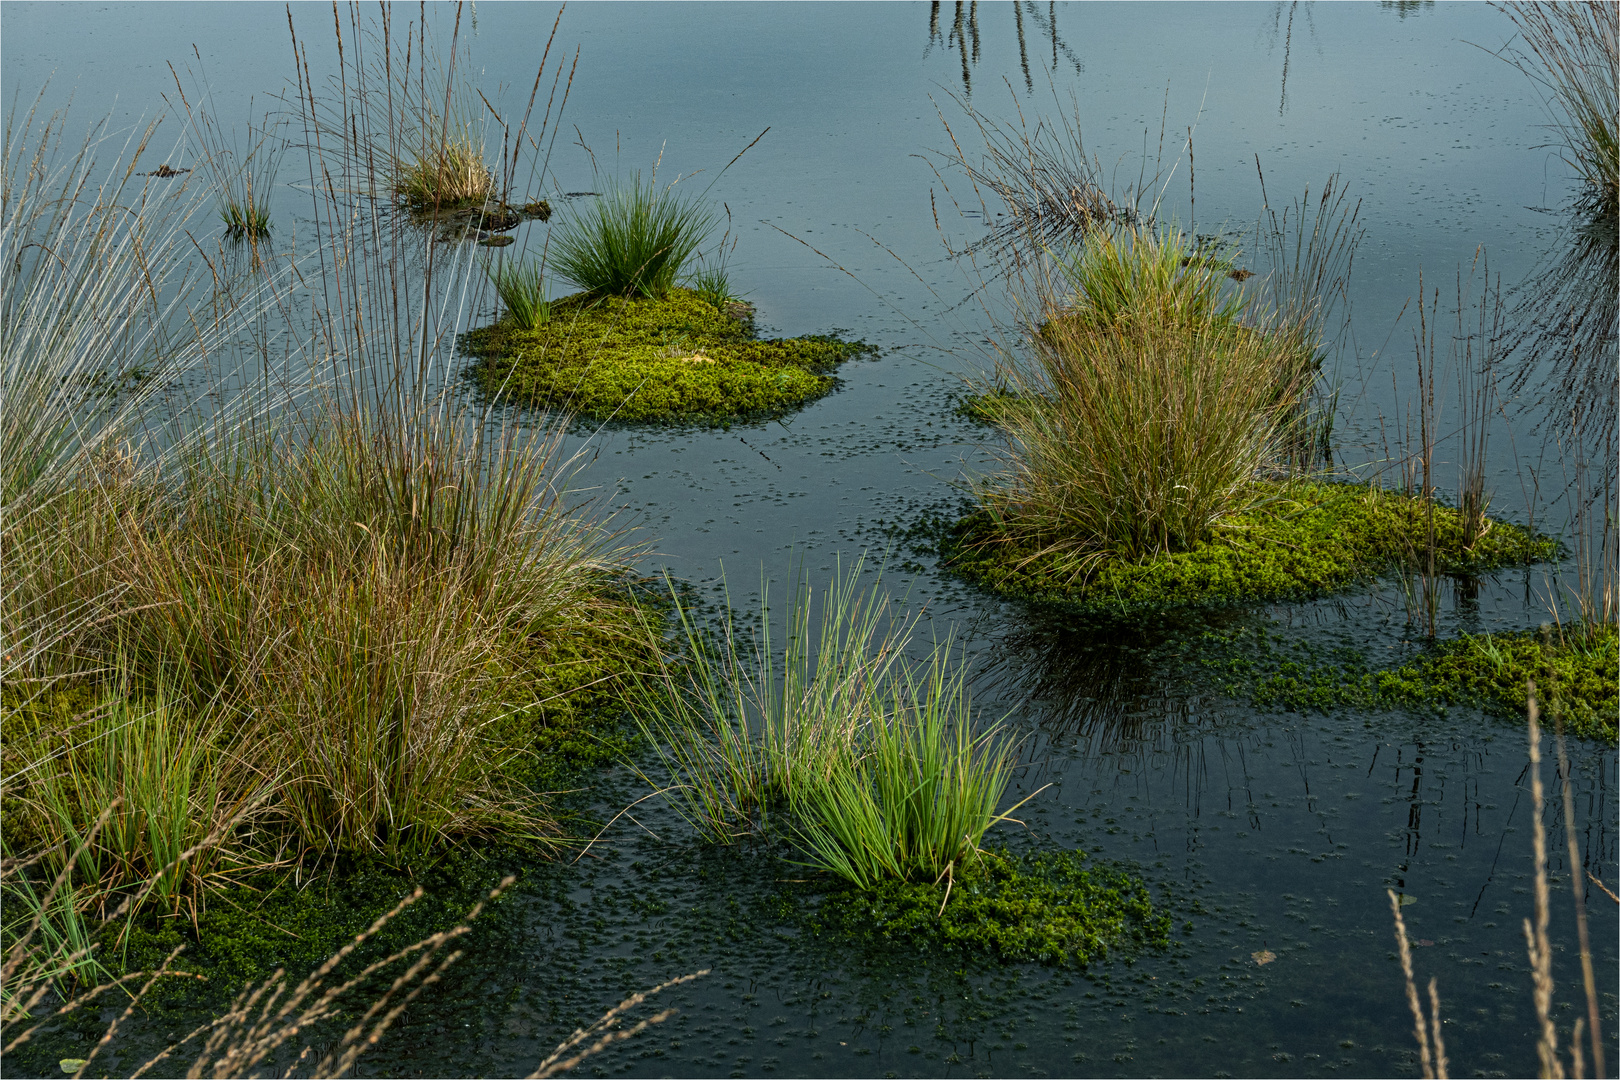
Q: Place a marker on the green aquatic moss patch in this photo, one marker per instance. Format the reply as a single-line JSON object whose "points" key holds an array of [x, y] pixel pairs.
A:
{"points": [[1577, 676], [989, 407], [637, 360], [1299, 539], [1576, 671], [1046, 906], [579, 677]]}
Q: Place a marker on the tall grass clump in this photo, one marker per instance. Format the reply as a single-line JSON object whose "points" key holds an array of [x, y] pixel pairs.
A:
{"points": [[97, 310], [365, 599], [633, 240], [911, 798], [522, 289], [150, 798], [746, 717], [243, 172], [444, 170], [829, 735], [1144, 408]]}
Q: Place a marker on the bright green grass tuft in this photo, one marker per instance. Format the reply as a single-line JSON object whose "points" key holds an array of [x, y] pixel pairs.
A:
{"points": [[1302, 539], [1046, 907], [634, 240], [678, 360], [914, 793], [522, 289], [246, 220]]}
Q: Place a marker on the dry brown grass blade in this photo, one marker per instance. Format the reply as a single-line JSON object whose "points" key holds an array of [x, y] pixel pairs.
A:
{"points": [[1420, 1026], [1441, 1065], [1589, 979], [556, 1065], [1535, 935]]}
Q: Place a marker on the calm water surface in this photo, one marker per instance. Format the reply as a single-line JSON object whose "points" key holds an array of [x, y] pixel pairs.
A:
{"points": [[1263, 832]]}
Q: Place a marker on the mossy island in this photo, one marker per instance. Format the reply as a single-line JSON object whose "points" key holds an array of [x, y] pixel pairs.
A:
{"points": [[680, 358], [1298, 540]]}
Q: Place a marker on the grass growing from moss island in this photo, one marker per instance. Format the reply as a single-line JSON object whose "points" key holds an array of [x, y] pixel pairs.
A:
{"points": [[1044, 906], [1299, 540], [638, 360]]}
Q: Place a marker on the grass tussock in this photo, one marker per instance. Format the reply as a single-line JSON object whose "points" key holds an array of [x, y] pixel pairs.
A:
{"points": [[636, 360], [522, 289], [636, 239], [443, 174], [1145, 407], [911, 797], [368, 605], [829, 735], [242, 170]]}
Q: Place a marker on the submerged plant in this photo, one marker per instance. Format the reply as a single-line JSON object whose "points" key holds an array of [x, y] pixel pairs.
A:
{"points": [[633, 240]]}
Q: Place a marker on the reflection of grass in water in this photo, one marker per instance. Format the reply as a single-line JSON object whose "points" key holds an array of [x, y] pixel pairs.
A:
{"points": [[1572, 52], [1568, 308]]}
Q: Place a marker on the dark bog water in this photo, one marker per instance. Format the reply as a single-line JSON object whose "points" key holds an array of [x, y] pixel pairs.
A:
{"points": [[1262, 832]]}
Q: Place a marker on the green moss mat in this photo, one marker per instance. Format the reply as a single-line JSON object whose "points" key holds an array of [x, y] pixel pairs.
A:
{"points": [[1577, 675], [1303, 539], [635, 360], [1044, 906]]}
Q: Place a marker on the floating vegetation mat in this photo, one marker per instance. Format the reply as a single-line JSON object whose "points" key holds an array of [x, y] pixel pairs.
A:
{"points": [[636, 360], [1301, 539], [1574, 671], [1041, 906]]}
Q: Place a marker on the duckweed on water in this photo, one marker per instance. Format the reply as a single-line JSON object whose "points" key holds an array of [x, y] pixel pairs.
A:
{"points": [[1042, 906], [1302, 539], [637, 360], [1575, 675]]}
